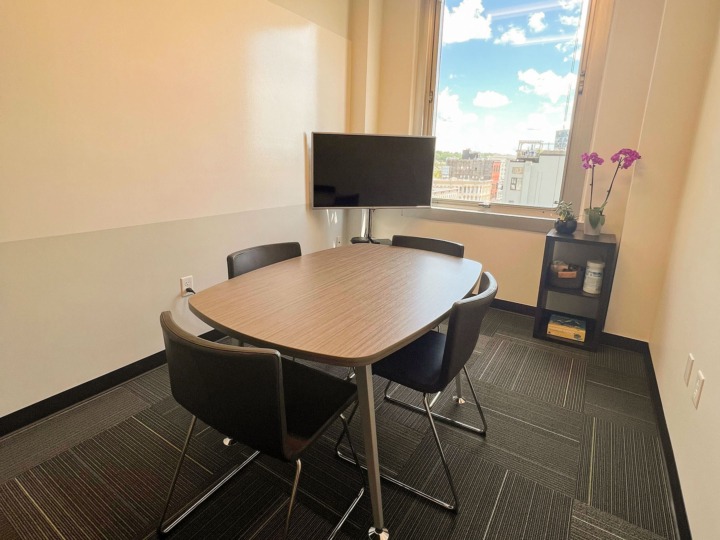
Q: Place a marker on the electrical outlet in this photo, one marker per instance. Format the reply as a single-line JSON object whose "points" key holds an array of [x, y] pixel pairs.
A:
{"points": [[698, 388], [689, 368], [185, 284]]}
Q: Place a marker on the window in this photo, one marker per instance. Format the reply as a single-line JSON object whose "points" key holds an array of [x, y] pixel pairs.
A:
{"points": [[508, 100]]}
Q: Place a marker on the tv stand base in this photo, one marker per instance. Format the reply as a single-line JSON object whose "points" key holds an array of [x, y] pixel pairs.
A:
{"points": [[367, 240]]}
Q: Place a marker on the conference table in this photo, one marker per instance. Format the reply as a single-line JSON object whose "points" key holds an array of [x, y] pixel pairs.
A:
{"points": [[347, 306]]}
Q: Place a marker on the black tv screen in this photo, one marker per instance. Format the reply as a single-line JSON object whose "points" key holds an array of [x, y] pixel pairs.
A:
{"points": [[371, 171]]}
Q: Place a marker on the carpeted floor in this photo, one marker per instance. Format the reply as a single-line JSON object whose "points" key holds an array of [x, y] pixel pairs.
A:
{"points": [[572, 451]]}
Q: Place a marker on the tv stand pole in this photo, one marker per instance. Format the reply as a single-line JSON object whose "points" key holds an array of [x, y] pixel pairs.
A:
{"points": [[368, 239]]}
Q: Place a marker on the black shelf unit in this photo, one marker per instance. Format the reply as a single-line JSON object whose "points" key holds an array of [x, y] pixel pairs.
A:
{"points": [[576, 248]]}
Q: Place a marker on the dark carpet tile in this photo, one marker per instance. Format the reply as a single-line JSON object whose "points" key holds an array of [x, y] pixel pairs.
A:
{"points": [[589, 523], [541, 374], [621, 406], [396, 442], [526, 510], [23, 449], [152, 386], [76, 502], [206, 448], [539, 455], [619, 360], [491, 322], [515, 325], [622, 472], [238, 510], [254, 503], [327, 484], [531, 436], [620, 419], [531, 411], [478, 483], [23, 514], [7, 531], [615, 379]]}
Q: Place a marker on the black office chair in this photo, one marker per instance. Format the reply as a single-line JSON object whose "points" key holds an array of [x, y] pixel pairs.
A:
{"points": [[246, 260], [249, 259], [429, 363], [429, 244], [257, 397], [436, 245]]}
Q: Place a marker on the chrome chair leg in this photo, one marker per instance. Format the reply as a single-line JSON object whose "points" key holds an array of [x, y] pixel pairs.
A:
{"points": [[355, 501], [160, 530], [356, 462], [477, 402], [442, 455], [451, 421], [298, 468], [163, 530], [458, 397]]}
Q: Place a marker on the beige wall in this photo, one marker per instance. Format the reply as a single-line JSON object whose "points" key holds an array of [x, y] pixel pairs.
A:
{"points": [[654, 98], [687, 320], [142, 142]]}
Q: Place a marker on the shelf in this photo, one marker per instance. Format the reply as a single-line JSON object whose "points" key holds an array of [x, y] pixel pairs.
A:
{"points": [[590, 331], [576, 248], [573, 292]]}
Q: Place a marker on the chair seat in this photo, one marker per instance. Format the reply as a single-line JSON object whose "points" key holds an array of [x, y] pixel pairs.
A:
{"points": [[417, 365], [313, 401]]}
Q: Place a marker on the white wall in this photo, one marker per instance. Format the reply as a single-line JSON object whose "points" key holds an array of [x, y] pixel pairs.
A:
{"points": [[141, 142]]}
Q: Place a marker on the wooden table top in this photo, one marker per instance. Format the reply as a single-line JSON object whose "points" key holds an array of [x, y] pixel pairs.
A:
{"points": [[348, 306]]}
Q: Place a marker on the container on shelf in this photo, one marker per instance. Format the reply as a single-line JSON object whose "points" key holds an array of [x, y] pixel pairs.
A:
{"points": [[593, 277]]}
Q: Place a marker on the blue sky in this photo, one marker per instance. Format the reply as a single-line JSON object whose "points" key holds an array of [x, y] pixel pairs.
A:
{"points": [[507, 69]]}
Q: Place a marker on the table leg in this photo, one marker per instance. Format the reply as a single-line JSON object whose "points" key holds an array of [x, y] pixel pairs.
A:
{"points": [[366, 403]]}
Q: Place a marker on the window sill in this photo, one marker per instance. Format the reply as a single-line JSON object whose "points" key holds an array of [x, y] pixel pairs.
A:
{"points": [[530, 220]]}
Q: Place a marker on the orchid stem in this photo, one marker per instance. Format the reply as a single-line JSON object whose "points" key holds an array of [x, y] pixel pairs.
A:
{"points": [[620, 161]]}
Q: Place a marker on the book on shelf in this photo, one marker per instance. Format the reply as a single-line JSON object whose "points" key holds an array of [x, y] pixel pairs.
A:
{"points": [[566, 327]]}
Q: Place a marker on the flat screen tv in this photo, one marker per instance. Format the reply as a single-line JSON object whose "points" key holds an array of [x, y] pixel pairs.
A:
{"points": [[371, 171]]}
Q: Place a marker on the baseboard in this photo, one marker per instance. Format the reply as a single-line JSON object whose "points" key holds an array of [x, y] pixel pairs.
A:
{"points": [[513, 307], [673, 477], [41, 409]]}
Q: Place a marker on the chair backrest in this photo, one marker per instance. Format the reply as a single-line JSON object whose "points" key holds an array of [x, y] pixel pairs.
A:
{"points": [[249, 259], [236, 390], [463, 331], [429, 244]]}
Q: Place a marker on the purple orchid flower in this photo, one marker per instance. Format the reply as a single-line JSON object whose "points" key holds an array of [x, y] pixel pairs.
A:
{"points": [[624, 158]]}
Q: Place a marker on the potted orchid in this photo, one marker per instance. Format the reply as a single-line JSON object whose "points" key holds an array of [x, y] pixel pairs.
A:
{"points": [[594, 216]]}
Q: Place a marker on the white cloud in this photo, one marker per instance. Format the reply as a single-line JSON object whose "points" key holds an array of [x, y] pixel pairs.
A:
{"points": [[456, 129], [547, 84], [571, 50], [449, 109], [465, 22], [514, 36], [570, 5], [490, 99], [569, 20], [537, 22], [542, 124]]}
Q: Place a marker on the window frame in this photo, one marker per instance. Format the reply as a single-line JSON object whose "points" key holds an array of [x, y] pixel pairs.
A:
{"points": [[585, 110]]}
